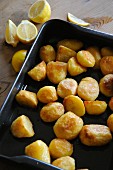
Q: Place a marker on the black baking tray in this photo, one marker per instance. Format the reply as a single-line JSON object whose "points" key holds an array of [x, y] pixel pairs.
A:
{"points": [[94, 158]]}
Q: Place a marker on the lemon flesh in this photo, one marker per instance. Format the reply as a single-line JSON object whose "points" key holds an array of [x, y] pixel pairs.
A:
{"points": [[40, 11]]}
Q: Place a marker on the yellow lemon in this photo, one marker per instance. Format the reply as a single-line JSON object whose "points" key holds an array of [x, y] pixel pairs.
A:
{"points": [[40, 11], [73, 19], [18, 59], [11, 33], [26, 31]]}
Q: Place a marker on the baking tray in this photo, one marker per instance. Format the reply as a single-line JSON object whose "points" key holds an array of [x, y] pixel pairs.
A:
{"points": [[94, 158]]}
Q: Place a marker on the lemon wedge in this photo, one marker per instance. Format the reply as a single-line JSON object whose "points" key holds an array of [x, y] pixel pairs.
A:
{"points": [[40, 11], [18, 59], [11, 33], [73, 19], [26, 31]]}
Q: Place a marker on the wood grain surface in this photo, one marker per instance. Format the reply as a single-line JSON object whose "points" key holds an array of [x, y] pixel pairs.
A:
{"points": [[98, 12]]}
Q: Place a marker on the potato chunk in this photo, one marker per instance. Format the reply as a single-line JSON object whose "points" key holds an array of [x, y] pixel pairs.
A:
{"points": [[107, 51], [27, 98], [88, 89], [74, 104], [22, 127], [47, 53], [95, 107], [67, 87], [51, 111], [85, 58], [106, 65], [66, 163], [95, 135], [38, 73], [38, 150], [74, 68], [64, 54], [47, 94], [56, 71], [106, 85], [111, 103], [110, 122], [60, 147], [68, 126]]}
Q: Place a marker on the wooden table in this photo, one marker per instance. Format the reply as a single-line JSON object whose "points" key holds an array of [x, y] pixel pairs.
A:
{"points": [[98, 12]]}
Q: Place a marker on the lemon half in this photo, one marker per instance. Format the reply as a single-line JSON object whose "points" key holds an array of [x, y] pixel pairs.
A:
{"points": [[40, 11]]}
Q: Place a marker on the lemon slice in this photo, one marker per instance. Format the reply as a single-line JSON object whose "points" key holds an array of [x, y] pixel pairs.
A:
{"points": [[76, 20], [11, 34], [40, 11], [26, 31], [18, 59]]}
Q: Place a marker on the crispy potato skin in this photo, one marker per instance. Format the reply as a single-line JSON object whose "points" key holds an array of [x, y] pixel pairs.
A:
{"points": [[66, 163], [47, 94], [107, 51], [106, 85], [106, 65], [60, 147], [111, 103], [51, 111], [56, 71], [95, 135], [110, 122], [27, 98], [88, 89], [68, 126], [95, 107], [38, 73], [67, 87], [38, 150], [22, 127]]}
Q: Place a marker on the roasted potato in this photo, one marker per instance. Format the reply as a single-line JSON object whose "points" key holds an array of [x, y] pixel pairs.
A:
{"points": [[47, 94], [95, 135], [51, 111], [38, 73], [74, 68], [47, 53], [66, 163], [111, 103], [38, 150], [106, 65], [60, 147], [67, 87], [64, 54], [27, 98], [56, 71], [106, 51], [74, 104], [22, 127], [110, 122], [95, 107], [68, 126], [106, 85]]}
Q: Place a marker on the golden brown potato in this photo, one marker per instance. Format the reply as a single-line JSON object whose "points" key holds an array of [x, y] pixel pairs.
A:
{"points": [[96, 53], [64, 54], [38, 150], [56, 71], [47, 53], [85, 58], [47, 94], [66, 163], [74, 68], [60, 147], [74, 104], [51, 111], [95, 107], [107, 51], [95, 135], [68, 126], [27, 98], [106, 85], [38, 73], [67, 87], [71, 43], [22, 127], [88, 89], [110, 122], [111, 103], [106, 65]]}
